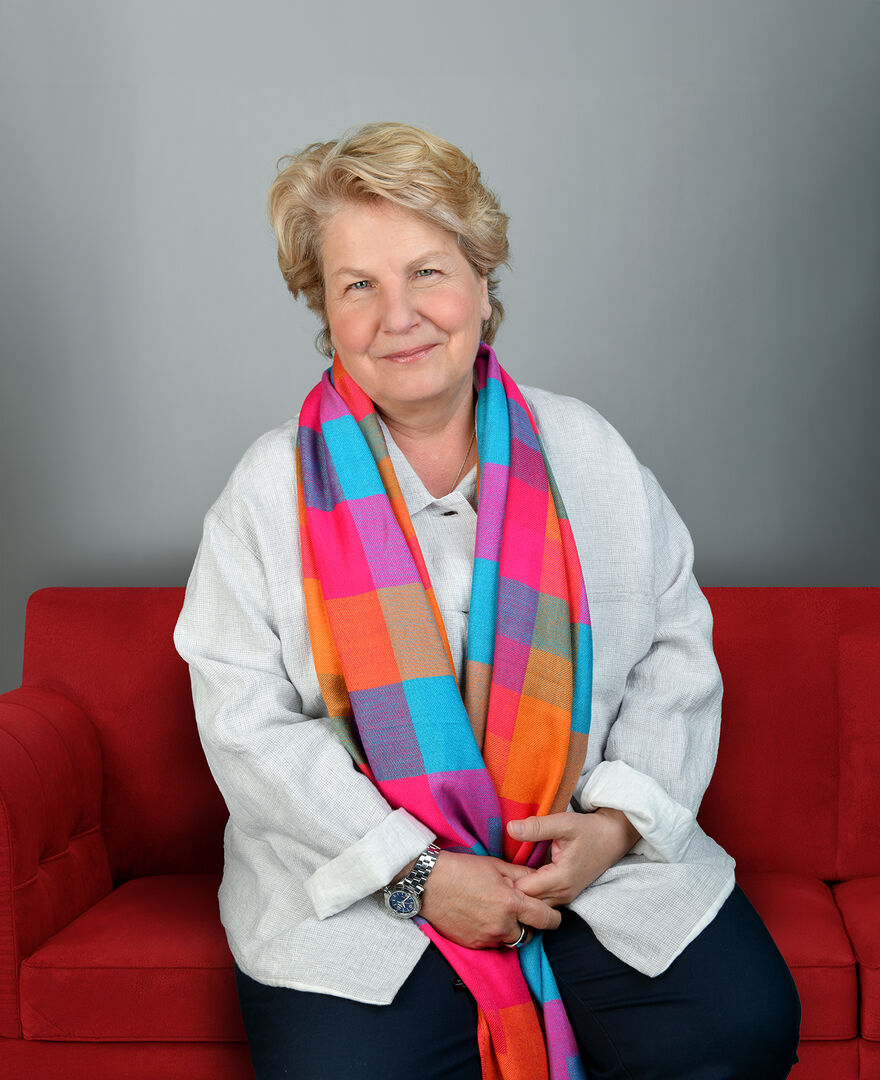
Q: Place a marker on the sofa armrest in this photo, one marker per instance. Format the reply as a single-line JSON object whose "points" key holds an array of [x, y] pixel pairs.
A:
{"points": [[53, 863]]}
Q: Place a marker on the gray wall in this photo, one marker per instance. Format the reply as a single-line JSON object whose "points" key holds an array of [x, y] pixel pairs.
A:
{"points": [[695, 199]]}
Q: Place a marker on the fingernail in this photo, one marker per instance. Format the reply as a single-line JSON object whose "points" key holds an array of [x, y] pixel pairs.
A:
{"points": [[517, 829]]}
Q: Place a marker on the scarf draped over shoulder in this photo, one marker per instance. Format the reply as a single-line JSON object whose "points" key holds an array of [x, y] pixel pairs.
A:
{"points": [[464, 760]]}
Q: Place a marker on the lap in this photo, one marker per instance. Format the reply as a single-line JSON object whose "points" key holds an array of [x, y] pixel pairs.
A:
{"points": [[429, 1030], [725, 1008]]}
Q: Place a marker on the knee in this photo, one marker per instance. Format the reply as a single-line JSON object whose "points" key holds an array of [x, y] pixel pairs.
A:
{"points": [[763, 1036]]}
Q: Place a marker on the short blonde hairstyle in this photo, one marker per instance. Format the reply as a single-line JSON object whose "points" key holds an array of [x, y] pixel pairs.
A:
{"points": [[398, 162]]}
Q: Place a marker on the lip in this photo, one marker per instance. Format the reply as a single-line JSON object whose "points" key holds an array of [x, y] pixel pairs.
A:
{"points": [[407, 355]]}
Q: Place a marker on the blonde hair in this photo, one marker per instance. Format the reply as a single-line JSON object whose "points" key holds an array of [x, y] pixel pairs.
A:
{"points": [[409, 167]]}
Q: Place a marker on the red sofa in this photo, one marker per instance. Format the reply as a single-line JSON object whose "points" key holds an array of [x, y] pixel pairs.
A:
{"points": [[113, 963]]}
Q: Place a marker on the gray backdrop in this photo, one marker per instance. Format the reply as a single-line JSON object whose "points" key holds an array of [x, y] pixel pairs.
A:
{"points": [[695, 198]]}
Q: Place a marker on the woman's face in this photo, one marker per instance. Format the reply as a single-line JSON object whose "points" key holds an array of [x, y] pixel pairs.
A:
{"points": [[404, 307]]}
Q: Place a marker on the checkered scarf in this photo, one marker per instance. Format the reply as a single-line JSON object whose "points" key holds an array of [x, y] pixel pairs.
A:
{"points": [[462, 763]]}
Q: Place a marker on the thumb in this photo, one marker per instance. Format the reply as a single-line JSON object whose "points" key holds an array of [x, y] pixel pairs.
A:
{"points": [[514, 871], [530, 829]]}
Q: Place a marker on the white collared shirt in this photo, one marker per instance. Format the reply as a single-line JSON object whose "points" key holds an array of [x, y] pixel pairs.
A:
{"points": [[310, 841]]}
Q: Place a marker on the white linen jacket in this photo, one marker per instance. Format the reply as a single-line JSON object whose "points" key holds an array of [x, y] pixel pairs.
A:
{"points": [[310, 841]]}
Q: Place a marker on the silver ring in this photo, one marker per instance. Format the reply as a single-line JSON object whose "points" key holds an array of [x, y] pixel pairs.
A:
{"points": [[520, 941]]}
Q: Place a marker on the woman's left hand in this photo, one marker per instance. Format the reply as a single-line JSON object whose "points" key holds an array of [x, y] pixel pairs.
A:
{"points": [[582, 848]]}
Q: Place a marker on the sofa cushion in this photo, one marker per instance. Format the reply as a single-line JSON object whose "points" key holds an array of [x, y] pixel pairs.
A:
{"points": [[111, 651], [777, 650], [869, 1060], [805, 923], [859, 903], [827, 1059], [859, 754], [148, 962]]}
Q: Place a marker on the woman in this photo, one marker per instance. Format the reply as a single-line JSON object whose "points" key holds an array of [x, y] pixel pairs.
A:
{"points": [[390, 628]]}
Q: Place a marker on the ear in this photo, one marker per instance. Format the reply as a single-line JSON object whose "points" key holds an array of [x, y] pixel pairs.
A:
{"points": [[485, 306]]}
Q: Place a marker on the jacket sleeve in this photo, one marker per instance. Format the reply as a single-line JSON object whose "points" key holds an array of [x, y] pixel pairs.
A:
{"points": [[661, 749], [286, 778]]}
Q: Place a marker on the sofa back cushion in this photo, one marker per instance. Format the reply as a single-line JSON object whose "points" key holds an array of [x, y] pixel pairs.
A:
{"points": [[858, 690], [795, 785], [111, 652], [795, 788]]}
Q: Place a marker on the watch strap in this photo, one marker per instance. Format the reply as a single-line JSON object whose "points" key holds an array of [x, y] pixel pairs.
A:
{"points": [[424, 864]]}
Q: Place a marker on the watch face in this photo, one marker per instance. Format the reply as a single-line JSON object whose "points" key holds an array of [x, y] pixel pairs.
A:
{"points": [[402, 902]]}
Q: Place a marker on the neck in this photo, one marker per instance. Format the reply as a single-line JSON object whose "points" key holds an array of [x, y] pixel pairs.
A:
{"points": [[440, 449], [418, 420]]}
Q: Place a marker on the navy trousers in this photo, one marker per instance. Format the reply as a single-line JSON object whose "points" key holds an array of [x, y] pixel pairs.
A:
{"points": [[725, 1009]]}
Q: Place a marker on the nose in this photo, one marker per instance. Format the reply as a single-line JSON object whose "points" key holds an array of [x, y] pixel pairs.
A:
{"points": [[399, 311]]}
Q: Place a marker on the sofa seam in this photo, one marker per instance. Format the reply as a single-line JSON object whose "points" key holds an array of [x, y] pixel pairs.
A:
{"points": [[833, 1038], [58, 855], [39, 776], [121, 967], [49, 1023], [73, 765], [825, 967], [16, 954], [120, 1040]]}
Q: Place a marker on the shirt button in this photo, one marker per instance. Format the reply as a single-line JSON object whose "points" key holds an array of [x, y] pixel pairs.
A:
{"points": [[449, 513]]}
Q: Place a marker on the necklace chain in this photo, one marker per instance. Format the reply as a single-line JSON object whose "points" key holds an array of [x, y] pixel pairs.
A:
{"points": [[466, 456]]}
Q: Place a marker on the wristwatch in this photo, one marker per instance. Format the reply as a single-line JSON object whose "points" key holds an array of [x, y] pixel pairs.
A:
{"points": [[404, 898]]}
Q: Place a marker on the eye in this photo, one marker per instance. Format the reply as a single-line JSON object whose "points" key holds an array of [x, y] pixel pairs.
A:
{"points": [[359, 286], [427, 272]]}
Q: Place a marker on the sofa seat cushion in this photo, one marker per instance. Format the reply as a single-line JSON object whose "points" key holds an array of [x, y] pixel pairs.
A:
{"points": [[149, 962], [859, 903], [869, 1059], [806, 925]]}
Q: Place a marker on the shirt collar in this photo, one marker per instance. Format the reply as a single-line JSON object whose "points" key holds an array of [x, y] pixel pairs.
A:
{"points": [[415, 494]]}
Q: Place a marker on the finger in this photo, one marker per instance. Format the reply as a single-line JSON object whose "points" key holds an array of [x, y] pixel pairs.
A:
{"points": [[523, 935], [514, 872], [536, 913], [533, 829], [546, 883]]}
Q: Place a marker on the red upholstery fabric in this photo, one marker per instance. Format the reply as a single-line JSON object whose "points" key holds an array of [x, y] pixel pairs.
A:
{"points": [[778, 758], [24, 1060], [105, 714], [803, 919], [53, 864], [859, 693], [827, 1061], [859, 903], [869, 1060], [148, 962], [111, 651]]}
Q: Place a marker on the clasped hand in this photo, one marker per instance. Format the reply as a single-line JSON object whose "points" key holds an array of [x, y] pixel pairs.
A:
{"points": [[480, 902], [582, 848]]}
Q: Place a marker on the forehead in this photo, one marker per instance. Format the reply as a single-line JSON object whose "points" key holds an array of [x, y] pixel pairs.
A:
{"points": [[382, 233]]}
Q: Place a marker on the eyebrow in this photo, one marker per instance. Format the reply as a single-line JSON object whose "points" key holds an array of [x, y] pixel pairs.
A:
{"points": [[351, 271]]}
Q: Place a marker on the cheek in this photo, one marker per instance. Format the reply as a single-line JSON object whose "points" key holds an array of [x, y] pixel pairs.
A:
{"points": [[351, 330], [457, 311]]}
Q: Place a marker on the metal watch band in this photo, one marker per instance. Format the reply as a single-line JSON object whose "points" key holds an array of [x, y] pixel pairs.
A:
{"points": [[424, 864]]}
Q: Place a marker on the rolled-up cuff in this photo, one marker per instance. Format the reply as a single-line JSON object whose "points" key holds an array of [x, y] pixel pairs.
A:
{"points": [[369, 864], [665, 826]]}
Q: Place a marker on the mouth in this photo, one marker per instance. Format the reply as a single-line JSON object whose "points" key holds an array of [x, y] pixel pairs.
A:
{"points": [[406, 356]]}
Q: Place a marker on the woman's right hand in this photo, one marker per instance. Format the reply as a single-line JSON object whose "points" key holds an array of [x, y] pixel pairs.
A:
{"points": [[473, 901]]}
